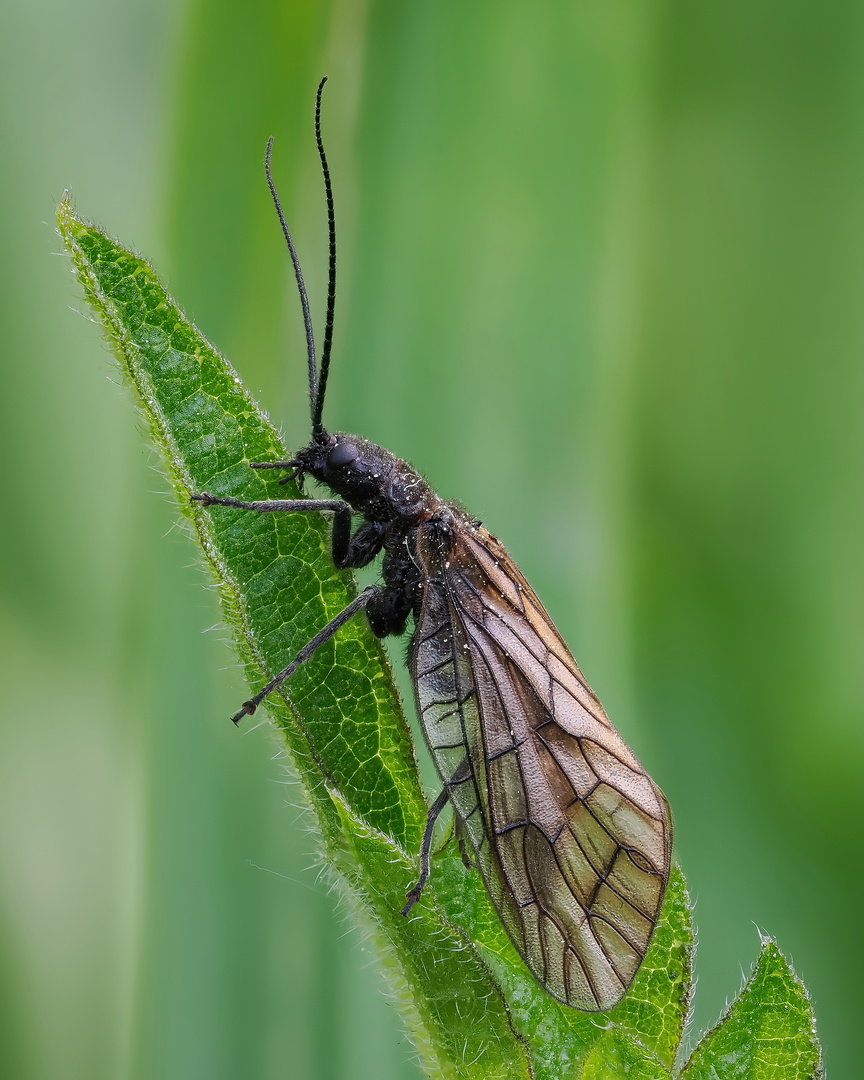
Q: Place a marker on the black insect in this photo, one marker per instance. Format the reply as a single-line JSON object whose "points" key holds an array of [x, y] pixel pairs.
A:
{"points": [[571, 835]]}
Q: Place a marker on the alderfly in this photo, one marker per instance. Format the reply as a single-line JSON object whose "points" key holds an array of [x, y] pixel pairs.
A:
{"points": [[572, 837]]}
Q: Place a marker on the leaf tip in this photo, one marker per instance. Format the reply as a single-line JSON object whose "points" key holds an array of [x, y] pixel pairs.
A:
{"points": [[67, 219], [64, 209]]}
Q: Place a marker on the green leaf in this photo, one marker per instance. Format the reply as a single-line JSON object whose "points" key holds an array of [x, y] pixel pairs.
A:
{"points": [[769, 1032], [468, 1001], [458, 1003], [617, 1054], [267, 566], [653, 1011], [340, 716], [656, 1008]]}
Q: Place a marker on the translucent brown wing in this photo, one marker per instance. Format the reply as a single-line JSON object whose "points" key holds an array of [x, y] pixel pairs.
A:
{"points": [[571, 835]]}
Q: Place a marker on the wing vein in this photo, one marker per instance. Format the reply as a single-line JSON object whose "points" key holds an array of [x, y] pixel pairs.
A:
{"points": [[521, 620]]}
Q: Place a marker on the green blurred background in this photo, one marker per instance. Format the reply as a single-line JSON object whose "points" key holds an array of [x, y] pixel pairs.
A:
{"points": [[602, 268]]}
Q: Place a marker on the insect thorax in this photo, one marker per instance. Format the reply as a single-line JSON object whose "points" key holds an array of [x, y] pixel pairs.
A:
{"points": [[371, 479]]}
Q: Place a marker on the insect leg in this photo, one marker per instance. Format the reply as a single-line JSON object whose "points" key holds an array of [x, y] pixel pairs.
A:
{"points": [[352, 552], [461, 840], [425, 847], [296, 468], [268, 506], [349, 552], [340, 540], [324, 634]]}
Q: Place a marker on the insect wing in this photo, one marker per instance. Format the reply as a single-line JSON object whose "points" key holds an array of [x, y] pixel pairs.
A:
{"points": [[572, 837]]}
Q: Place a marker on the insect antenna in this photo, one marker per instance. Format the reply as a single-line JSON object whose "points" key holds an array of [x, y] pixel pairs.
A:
{"points": [[331, 277], [298, 273]]}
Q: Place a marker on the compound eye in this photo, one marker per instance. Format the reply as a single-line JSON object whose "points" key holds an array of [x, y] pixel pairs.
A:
{"points": [[342, 454]]}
